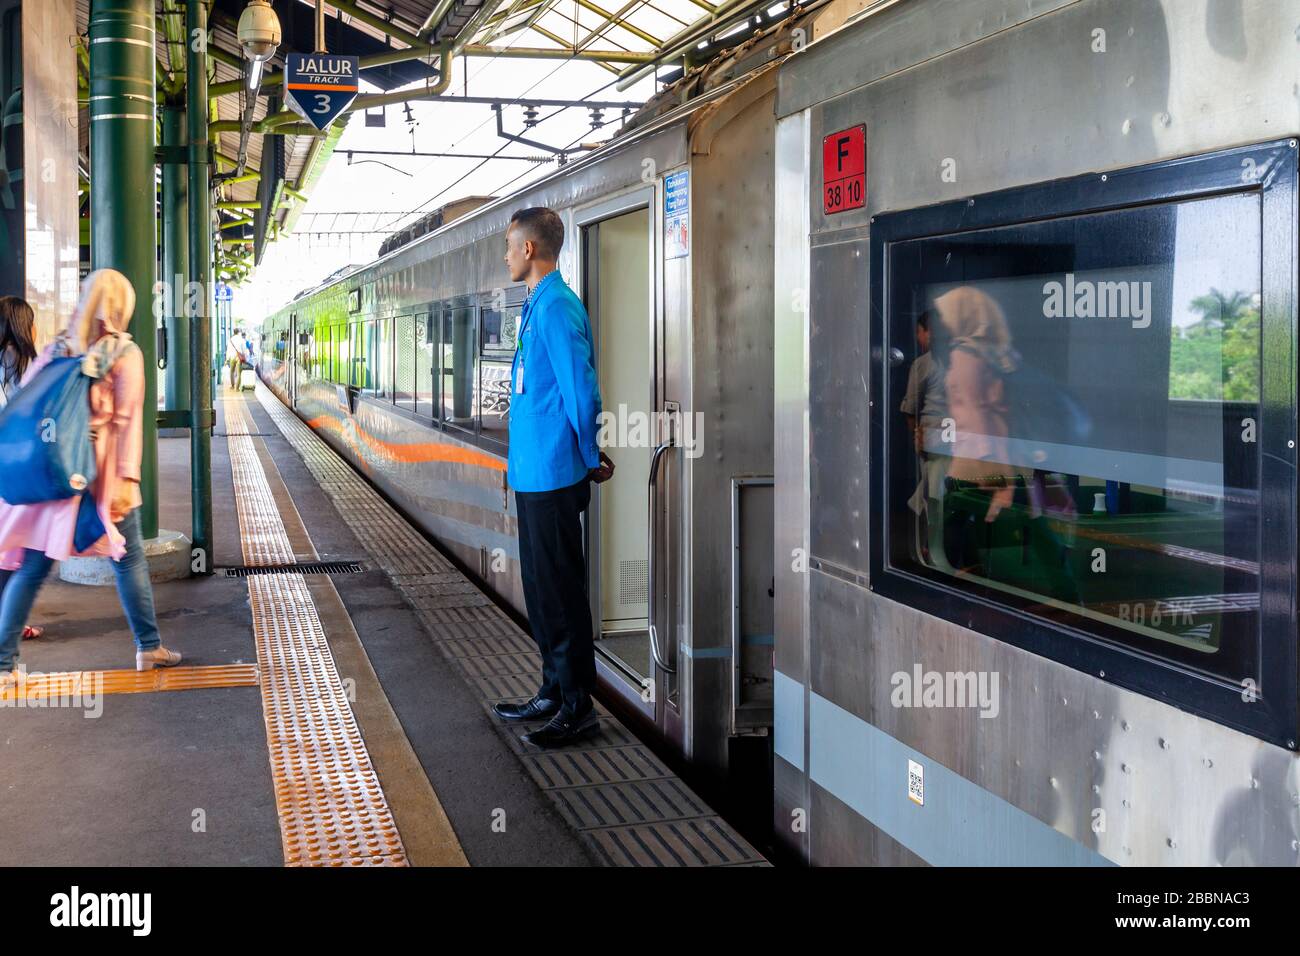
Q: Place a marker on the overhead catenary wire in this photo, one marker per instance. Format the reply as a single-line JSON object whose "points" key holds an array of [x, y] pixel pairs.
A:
{"points": [[516, 99], [543, 119]]}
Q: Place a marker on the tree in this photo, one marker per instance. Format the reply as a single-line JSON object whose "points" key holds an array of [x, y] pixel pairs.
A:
{"points": [[1217, 358]]}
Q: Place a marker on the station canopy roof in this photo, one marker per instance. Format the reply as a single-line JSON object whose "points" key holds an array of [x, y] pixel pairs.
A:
{"points": [[400, 43]]}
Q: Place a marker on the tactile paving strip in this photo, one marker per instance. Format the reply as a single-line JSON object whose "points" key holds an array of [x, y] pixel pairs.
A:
{"points": [[332, 809], [64, 684], [628, 806]]}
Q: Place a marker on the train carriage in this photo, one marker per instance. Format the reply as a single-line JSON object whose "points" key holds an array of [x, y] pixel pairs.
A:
{"points": [[1058, 624], [1050, 622]]}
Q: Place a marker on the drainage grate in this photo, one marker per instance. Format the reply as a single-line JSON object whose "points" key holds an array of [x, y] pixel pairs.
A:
{"points": [[314, 567]]}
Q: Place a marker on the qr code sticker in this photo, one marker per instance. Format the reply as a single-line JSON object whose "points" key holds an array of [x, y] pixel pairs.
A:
{"points": [[916, 783]]}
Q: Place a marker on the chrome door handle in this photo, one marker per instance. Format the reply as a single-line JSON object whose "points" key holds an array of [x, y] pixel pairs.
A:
{"points": [[650, 564]]}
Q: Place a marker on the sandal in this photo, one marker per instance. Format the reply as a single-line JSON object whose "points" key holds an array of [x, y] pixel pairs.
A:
{"points": [[31, 633]]}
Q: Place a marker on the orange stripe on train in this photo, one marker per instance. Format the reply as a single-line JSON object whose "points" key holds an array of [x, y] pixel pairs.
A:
{"points": [[417, 452]]}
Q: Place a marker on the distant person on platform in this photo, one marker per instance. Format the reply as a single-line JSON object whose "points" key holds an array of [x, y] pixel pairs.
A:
{"points": [[235, 356], [554, 406]]}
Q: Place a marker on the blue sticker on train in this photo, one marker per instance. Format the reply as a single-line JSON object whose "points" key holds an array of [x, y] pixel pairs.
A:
{"points": [[677, 227]]}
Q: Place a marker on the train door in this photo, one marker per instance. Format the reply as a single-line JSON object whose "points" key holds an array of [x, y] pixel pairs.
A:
{"points": [[618, 286], [291, 358]]}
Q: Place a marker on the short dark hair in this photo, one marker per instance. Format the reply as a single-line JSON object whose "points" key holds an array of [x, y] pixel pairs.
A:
{"points": [[544, 227], [923, 320]]}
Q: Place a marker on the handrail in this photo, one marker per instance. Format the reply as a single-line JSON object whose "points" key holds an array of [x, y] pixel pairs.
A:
{"points": [[650, 564]]}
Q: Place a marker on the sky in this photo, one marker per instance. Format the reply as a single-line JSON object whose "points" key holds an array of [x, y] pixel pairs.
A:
{"points": [[376, 184]]}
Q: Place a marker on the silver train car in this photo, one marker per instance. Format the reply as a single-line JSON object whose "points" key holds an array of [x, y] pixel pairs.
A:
{"points": [[950, 347], [403, 367], [1057, 625]]}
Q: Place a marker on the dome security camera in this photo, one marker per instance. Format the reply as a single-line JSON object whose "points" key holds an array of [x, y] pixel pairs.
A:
{"points": [[259, 31]]}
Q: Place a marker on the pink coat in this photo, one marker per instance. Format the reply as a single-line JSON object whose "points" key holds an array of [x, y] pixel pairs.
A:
{"points": [[117, 416]]}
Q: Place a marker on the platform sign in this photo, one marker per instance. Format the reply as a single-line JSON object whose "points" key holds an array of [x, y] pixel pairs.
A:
{"points": [[677, 216], [320, 86], [844, 170]]}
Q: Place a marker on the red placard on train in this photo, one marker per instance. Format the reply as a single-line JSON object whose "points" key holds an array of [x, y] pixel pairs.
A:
{"points": [[844, 170]]}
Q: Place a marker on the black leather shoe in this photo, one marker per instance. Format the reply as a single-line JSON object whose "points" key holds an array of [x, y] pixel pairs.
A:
{"points": [[564, 730], [539, 708]]}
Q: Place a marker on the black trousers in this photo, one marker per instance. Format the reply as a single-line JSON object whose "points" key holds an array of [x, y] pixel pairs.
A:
{"points": [[555, 591]]}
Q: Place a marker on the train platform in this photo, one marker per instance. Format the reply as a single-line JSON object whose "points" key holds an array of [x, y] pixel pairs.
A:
{"points": [[333, 707]]}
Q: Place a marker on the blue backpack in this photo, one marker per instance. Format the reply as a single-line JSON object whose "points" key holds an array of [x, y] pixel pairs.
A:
{"points": [[47, 451]]}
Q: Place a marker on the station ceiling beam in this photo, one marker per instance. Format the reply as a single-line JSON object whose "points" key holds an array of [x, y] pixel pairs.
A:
{"points": [[726, 15]]}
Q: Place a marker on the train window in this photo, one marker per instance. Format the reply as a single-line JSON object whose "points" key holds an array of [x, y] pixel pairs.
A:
{"points": [[324, 350], [493, 400], [357, 373], [367, 364], [1075, 424], [340, 355], [459, 361], [303, 348], [426, 340], [381, 365], [500, 329], [404, 370], [501, 313]]}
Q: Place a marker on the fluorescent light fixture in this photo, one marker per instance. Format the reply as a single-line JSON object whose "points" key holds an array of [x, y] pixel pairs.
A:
{"points": [[255, 74]]}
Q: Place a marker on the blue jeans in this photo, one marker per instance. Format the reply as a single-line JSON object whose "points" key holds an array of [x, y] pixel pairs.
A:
{"points": [[133, 587]]}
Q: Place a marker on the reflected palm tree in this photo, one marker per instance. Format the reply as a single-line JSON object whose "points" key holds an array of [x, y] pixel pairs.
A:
{"points": [[1219, 308]]}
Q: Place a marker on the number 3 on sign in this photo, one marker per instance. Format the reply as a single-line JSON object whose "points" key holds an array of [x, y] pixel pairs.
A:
{"points": [[322, 103]]}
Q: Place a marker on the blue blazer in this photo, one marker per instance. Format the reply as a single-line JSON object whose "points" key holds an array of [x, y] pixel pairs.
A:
{"points": [[553, 419]]}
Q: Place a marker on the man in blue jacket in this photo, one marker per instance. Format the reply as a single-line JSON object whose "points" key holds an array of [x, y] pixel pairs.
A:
{"points": [[554, 406]]}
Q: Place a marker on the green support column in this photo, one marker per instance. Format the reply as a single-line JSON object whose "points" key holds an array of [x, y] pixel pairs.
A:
{"points": [[123, 225], [200, 228], [175, 258]]}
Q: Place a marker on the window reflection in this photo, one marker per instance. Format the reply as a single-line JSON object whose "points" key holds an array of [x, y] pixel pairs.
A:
{"points": [[404, 361], [426, 364], [500, 331], [458, 366], [1074, 429]]}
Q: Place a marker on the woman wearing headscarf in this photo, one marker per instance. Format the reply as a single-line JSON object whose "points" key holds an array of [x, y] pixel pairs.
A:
{"points": [[17, 349], [979, 355], [34, 536]]}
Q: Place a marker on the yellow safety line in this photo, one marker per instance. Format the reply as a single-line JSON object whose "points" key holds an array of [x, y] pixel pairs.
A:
{"points": [[37, 686], [332, 810]]}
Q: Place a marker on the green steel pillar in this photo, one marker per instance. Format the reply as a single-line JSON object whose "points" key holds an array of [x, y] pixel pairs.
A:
{"points": [[123, 224], [175, 258], [200, 228]]}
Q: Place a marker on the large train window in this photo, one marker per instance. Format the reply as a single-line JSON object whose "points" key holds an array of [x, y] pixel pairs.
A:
{"points": [[1085, 425]]}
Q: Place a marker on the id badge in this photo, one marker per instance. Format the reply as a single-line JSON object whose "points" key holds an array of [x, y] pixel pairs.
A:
{"points": [[519, 378]]}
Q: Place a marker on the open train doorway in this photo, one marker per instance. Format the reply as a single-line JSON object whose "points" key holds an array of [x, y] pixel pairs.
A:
{"points": [[617, 285]]}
